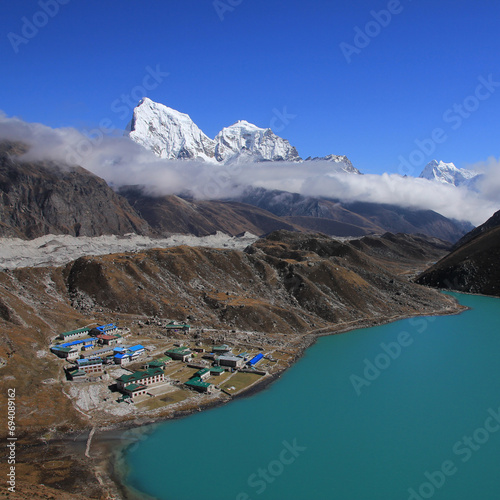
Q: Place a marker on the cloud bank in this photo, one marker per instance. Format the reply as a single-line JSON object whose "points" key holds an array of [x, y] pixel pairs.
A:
{"points": [[121, 162]]}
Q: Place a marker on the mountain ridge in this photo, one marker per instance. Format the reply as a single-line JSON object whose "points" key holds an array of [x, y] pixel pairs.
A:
{"points": [[170, 134]]}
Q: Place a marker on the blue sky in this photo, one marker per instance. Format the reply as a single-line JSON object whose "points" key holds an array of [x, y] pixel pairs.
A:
{"points": [[279, 64]]}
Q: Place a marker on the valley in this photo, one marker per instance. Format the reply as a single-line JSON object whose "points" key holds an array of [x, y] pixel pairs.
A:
{"points": [[276, 297]]}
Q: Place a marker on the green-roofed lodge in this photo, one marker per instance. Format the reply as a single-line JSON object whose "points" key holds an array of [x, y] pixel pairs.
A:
{"points": [[202, 374], [178, 326], [134, 390], [143, 377], [74, 333], [216, 370], [179, 353], [198, 385]]}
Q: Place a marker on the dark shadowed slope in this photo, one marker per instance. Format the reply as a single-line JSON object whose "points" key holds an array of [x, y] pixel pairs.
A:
{"points": [[473, 265], [368, 217], [173, 214], [38, 198]]}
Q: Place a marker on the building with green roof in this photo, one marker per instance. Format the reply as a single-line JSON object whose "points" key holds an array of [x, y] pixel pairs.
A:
{"points": [[177, 326], [179, 353], [202, 374], [65, 352], [76, 374], [143, 377], [198, 385], [134, 390], [74, 333], [221, 349], [216, 370]]}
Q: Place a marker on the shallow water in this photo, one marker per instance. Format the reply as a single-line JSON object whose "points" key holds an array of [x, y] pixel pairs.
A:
{"points": [[409, 410]]}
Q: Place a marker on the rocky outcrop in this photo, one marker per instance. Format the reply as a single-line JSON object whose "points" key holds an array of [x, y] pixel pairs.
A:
{"points": [[473, 264], [287, 282], [38, 198]]}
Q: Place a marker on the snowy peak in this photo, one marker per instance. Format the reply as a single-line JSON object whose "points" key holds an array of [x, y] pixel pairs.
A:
{"points": [[340, 163], [169, 133], [447, 173], [173, 135], [262, 144]]}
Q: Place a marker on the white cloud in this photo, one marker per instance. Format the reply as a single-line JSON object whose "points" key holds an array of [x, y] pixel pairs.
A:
{"points": [[122, 162], [489, 183]]}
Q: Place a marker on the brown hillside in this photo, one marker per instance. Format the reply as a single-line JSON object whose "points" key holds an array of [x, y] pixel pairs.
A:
{"points": [[38, 198], [472, 267]]}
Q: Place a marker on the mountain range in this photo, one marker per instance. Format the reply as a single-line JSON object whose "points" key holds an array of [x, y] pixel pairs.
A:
{"points": [[173, 135], [41, 197]]}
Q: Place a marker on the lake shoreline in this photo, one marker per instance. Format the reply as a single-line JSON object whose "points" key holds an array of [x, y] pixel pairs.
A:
{"points": [[117, 476], [104, 460]]}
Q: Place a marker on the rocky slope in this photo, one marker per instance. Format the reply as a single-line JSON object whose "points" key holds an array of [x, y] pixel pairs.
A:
{"points": [[38, 198], [367, 217], [491, 223], [287, 282], [473, 264], [172, 214]]}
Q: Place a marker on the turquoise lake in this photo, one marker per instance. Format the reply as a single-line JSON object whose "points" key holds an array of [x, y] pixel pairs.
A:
{"points": [[422, 422]]}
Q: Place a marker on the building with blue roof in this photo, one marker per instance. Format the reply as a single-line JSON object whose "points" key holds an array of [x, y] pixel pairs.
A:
{"points": [[255, 359], [106, 328]]}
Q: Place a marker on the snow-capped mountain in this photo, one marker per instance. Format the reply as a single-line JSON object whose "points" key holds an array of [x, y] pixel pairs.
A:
{"points": [[342, 163], [169, 133], [259, 143], [447, 173], [173, 135]]}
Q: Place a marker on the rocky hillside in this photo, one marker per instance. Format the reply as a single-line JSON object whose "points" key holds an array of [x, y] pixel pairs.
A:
{"points": [[38, 198], [366, 217], [172, 214], [473, 264], [282, 290], [491, 223], [285, 282]]}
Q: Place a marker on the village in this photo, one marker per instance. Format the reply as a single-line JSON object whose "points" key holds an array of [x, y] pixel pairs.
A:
{"points": [[116, 370]]}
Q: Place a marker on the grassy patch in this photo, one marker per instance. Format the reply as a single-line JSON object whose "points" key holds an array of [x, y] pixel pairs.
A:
{"points": [[185, 373], [240, 381], [165, 400]]}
